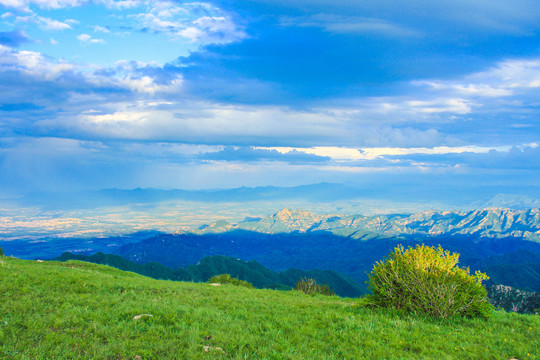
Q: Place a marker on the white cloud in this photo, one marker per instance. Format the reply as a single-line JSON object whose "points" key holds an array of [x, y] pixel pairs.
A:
{"points": [[44, 4], [514, 74], [102, 29], [124, 76], [139, 84], [186, 122], [476, 90], [88, 39], [510, 87], [121, 4], [212, 30], [51, 24], [442, 105], [502, 80], [32, 63], [183, 22], [43, 22], [189, 120]]}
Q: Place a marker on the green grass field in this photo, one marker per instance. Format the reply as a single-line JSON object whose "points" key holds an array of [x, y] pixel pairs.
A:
{"points": [[77, 310]]}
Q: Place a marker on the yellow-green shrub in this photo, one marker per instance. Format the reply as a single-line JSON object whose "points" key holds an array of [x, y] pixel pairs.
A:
{"points": [[310, 286], [228, 279], [427, 280]]}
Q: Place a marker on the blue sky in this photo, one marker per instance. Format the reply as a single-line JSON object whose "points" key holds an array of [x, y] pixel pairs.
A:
{"points": [[171, 94]]}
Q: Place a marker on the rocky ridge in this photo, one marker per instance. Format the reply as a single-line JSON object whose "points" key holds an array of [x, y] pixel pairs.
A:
{"points": [[490, 222], [515, 300]]}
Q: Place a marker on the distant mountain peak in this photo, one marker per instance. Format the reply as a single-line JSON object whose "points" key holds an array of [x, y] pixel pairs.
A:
{"points": [[287, 214], [220, 223], [218, 226]]}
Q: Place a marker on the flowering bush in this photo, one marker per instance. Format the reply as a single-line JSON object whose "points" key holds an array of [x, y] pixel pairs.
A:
{"points": [[427, 280]]}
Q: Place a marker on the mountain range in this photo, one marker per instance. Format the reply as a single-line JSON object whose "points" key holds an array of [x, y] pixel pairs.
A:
{"points": [[493, 223]]}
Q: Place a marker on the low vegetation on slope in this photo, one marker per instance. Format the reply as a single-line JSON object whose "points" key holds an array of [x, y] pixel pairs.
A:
{"points": [[228, 279], [77, 310], [250, 271]]}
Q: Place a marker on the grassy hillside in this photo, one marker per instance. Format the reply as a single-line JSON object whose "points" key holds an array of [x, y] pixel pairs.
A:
{"points": [[250, 271], [76, 310]]}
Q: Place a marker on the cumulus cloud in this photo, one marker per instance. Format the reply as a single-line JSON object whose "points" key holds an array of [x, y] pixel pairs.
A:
{"points": [[88, 39], [32, 63], [44, 23], [30, 75], [121, 4], [51, 24], [125, 75], [98, 28], [44, 4], [216, 27], [138, 77]]}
